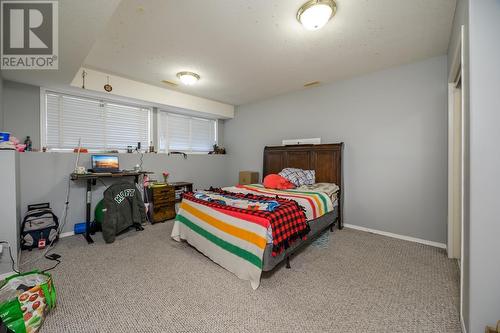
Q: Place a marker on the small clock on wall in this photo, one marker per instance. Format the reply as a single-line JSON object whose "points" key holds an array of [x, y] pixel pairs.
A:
{"points": [[107, 86]]}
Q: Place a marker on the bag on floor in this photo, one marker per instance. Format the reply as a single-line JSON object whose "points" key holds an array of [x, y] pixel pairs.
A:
{"points": [[25, 300], [40, 223]]}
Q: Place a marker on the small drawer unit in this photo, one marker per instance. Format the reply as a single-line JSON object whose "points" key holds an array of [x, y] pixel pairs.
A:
{"points": [[161, 203]]}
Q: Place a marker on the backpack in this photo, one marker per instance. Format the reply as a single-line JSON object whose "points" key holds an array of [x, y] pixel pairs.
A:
{"points": [[39, 223]]}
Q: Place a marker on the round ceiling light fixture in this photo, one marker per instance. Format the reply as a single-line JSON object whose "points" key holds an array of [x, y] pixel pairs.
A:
{"points": [[188, 78], [314, 14]]}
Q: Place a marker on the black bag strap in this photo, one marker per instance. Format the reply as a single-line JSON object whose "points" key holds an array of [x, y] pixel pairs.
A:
{"points": [[39, 206]]}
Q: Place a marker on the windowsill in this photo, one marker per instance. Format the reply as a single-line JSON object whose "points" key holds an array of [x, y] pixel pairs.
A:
{"points": [[122, 153]]}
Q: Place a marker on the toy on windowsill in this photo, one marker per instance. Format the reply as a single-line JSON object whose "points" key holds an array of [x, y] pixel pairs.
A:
{"points": [[11, 143], [218, 150]]}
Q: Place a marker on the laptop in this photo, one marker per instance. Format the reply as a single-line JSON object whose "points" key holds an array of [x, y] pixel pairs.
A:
{"points": [[105, 164]]}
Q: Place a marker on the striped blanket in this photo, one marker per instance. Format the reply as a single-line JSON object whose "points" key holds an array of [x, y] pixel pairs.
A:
{"points": [[316, 204], [237, 240]]}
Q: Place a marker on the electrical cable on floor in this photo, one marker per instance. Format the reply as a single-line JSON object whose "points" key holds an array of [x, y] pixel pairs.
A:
{"points": [[11, 257], [54, 257]]}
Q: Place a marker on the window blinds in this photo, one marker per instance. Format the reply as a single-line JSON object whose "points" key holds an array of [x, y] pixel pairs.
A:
{"points": [[184, 133], [99, 124]]}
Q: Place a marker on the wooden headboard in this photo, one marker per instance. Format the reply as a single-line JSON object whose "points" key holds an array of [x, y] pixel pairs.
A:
{"points": [[325, 159]]}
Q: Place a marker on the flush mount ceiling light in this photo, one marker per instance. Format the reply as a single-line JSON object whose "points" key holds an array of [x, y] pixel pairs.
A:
{"points": [[314, 14], [188, 78]]}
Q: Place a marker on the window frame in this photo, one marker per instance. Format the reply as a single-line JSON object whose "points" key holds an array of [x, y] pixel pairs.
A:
{"points": [[189, 116], [43, 117]]}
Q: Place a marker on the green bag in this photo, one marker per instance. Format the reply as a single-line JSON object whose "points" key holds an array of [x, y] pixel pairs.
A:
{"points": [[25, 300]]}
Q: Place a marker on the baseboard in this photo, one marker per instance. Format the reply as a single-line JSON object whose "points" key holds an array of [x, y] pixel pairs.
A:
{"points": [[66, 234], [390, 234]]}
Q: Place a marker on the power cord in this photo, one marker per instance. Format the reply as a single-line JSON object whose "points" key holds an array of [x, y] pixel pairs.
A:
{"points": [[102, 182], [11, 257], [54, 257], [141, 161]]}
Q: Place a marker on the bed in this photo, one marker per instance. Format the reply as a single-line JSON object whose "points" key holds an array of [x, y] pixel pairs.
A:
{"points": [[239, 239]]}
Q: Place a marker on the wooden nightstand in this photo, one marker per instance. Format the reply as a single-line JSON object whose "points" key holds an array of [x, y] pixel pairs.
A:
{"points": [[161, 203], [181, 187]]}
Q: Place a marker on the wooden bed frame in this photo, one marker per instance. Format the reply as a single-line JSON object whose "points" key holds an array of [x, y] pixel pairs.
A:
{"points": [[324, 159]]}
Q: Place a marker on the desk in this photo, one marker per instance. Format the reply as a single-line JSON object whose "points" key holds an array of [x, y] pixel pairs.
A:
{"points": [[91, 179]]}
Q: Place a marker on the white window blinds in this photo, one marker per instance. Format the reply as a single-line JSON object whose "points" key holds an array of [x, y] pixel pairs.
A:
{"points": [[184, 133], [99, 124]]}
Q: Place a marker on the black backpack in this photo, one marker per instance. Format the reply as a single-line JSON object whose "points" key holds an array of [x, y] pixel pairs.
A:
{"points": [[39, 223]]}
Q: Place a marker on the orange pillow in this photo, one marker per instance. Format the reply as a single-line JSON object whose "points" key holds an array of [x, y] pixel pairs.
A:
{"points": [[277, 182]]}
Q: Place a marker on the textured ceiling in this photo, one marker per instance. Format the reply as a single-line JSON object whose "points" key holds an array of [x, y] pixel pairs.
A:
{"points": [[251, 50]]}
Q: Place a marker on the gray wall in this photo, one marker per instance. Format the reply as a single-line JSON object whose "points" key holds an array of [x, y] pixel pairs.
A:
{"points": [[484, 68], [460, 18], [9, 209], [21, 111], [44, 177], [394, 125], [1, 101]]}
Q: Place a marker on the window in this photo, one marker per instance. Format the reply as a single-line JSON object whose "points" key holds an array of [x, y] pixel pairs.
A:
{"points": [[184, 133], [101, 125]]}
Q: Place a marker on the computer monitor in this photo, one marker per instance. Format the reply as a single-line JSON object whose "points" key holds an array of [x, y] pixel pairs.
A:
{"points": [[105, 163]]}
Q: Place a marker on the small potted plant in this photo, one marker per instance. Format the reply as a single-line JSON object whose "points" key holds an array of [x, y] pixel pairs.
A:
{"points": [[165, 177]]}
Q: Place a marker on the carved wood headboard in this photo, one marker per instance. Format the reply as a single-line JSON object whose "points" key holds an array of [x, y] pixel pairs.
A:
{"points": [[325, 159]]}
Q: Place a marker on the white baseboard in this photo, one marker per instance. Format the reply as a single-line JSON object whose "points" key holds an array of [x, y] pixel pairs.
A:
{"points": [[66, 234], [390, 234]]}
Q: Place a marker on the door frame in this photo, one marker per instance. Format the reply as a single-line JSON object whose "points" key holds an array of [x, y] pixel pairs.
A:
{"points": [[453, 211], [457, 71]]}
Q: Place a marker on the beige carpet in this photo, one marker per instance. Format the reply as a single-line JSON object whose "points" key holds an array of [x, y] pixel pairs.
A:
{"points": [[145, 282]]}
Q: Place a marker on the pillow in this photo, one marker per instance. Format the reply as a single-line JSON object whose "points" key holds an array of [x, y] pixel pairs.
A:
{"points": [[299, 177], [310, 176], [277, 182]]}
